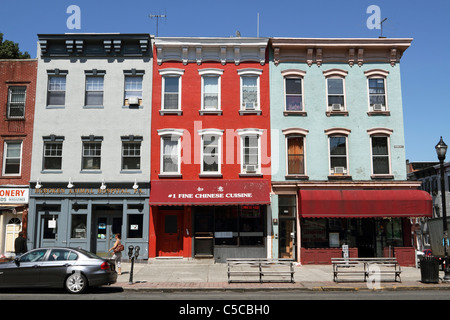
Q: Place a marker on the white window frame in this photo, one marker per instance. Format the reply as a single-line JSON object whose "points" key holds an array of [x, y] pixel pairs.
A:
{"points": [[55, 76], [385, 133], [83, 156], [294, 74], [171, 72], [250, 72], [124, 157], [338, 133], [218, 134], [95, 90], [5, 153], [10, 102], [335, 74], [210, 72], [377, 74], [243, 133], [174, 134], [44, 156]]}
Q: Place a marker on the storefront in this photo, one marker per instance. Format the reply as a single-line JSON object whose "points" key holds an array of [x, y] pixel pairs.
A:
{"points": [[372, 223], [88, 216], [217, 219], [13, 217]]}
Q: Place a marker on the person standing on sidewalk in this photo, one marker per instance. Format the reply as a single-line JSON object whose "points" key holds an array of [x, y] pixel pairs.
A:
{"points": [[20, 245], [117, 254]]}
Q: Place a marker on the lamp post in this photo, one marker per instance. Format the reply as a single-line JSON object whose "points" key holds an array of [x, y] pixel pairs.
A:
{"points": [[441, 150]]}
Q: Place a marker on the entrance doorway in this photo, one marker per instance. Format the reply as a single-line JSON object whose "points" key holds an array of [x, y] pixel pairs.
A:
{"points": [[107, 222], [204, 233], [170, 233]]}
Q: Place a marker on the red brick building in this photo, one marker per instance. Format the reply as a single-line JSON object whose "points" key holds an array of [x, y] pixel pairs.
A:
{"points": [[17, 101], [210, 156]]}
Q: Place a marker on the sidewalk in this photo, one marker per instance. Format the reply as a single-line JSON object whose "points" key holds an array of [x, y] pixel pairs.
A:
{"points": [[194, 275]]}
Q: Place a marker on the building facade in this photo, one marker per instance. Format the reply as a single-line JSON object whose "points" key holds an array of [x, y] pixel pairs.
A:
{"points": [[90, 168], [17, 99], [210, 168], [338, 172]]}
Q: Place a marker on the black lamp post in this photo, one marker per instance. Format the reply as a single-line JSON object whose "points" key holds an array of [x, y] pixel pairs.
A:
{"points": [[441, 150]]}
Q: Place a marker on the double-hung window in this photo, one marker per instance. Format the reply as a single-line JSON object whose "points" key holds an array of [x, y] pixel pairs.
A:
{"points": [[12, 158], [250, 90], [294, 97], [131, 153], [171, 90], [94, 90], [92, 153], [211, 100], [211, 151], [52, 158], [376, 80], [16, 102], [335, 80], [133, 87], [338, 151], [250, 150], [295, 155], [380, 147], [56, 91], [170, 163]]}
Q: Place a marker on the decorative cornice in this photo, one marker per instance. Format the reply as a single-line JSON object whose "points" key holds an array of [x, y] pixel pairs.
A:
{"points": [[348, 50]]}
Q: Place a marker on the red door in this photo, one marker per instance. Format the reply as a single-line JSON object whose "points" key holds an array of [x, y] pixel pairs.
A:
{"points": [[170, 233]]}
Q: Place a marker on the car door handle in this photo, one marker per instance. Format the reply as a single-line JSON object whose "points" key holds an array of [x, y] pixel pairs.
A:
{"points": [[67, 265]]}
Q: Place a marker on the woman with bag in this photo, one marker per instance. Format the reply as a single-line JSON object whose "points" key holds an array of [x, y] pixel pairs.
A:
{"points": [[117, 249]]}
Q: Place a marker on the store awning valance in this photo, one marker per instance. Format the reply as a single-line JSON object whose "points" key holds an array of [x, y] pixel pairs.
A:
{"points": [[364, 203], [209, 192]]}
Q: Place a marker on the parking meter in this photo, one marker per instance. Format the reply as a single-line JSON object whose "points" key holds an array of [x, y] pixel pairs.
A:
{"points": [[130, 251], [136, 251]]}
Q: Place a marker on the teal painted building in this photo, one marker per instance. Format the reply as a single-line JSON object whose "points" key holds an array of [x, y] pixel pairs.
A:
{"points": [[336, 125]]}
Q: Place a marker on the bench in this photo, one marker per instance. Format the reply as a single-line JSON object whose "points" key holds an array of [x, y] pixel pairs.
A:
{"points": [[365, 267], [260, 270]]}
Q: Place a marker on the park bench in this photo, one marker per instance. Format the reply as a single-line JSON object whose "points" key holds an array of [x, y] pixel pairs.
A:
{"points": [[366, 267], [260, 270]]}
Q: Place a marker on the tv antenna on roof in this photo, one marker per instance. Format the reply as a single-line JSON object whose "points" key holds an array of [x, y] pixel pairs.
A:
{"points": [[381, 24], [157, 16]]}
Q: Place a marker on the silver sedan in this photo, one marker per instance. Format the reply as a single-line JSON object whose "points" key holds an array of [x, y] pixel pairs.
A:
{"points": [[58, 267]]}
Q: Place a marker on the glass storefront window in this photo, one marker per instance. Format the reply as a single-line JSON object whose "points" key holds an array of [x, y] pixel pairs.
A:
{"points": [[135, 225], [79, 226], [251, 226]]}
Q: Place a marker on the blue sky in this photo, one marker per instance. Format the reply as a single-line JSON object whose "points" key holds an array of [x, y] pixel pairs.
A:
{"points": [[425, 65]]}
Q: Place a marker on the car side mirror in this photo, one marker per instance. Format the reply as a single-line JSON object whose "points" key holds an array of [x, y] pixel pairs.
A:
{"points": [[17, 261]]}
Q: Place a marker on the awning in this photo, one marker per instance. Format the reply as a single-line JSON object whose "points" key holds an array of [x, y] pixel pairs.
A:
{"points": [[209, 192], [364, 203]]}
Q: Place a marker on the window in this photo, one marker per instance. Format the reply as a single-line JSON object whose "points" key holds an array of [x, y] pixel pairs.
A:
{"points": [[94, 91], [52, 156], [211, 151], [135, 226], [131, 155], [133, 90], [92, 152], [376, 80], [16, 102], [335, 89], [380, 155], [338, 155], [250, 151], [56, 95], [293, 87], [295, 156], [12, 158], [79, 223], [250, 100], [211, 90], [170, 151], [171, 90]]}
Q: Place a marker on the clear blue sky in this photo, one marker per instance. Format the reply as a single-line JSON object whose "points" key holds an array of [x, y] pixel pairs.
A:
{"points": [[425, 65]]}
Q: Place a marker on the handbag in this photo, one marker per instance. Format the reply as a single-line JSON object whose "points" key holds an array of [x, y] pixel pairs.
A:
{"points": [[119, 248]]}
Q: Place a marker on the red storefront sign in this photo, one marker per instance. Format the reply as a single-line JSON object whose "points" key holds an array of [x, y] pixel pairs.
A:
{"points": [[211, 192]]}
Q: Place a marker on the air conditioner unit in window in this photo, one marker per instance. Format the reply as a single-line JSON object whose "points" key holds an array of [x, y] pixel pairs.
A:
{"points": [[250, 168], [133, 101], [336, 107], [377, 107], [249, 106], [339, 170]]}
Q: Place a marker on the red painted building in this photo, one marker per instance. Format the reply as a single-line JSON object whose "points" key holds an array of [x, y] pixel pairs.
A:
{"points": [[210, 164], [17, 100]]}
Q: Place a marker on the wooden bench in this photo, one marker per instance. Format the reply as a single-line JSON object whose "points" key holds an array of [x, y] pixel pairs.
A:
{"points": [[365, 267], [260, 270]]}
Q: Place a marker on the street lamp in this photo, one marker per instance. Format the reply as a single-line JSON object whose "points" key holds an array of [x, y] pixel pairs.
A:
{"points": [[441, 150]]}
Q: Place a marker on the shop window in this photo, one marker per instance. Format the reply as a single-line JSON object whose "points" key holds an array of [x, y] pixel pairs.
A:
{"points": [[135, 225], [251, 226], [226, 226], [79, 226]]}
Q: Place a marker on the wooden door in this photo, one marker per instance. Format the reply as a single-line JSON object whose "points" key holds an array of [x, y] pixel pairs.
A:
{"points": [[170, 233]]}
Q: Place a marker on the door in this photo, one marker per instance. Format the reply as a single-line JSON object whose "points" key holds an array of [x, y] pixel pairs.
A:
{"points": [[204, 235], [49, 230], [286, 242], [106, 227], [170, 233], [27, 272]]}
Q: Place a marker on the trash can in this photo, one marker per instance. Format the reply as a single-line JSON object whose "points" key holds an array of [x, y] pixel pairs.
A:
{"points": [[429, 269]]}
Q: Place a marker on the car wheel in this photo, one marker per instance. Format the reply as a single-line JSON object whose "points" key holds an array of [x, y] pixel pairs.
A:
{"points": [[76, 283]]}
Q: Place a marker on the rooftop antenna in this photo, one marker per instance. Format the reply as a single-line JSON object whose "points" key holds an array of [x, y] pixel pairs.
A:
{"points": [[381, 24], [157, 16], [257, 26]]}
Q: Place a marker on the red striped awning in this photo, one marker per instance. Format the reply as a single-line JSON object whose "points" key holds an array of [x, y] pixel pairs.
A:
{"points": [[364, 203]]}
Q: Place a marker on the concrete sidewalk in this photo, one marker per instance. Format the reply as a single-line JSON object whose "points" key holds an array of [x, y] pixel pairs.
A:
{"points": [[188, 275]]}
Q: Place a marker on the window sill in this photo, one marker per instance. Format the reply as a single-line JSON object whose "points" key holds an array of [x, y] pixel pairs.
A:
{"points": [[339, 177], [136, 171], [336, 113], [56, 107], [296, 177], [93, 107], [294, 113], [245, 175], [210, 175], [51, 171], [250, 112], [170, 112], [11, 177], [210, 112], [382, 176], [15, 119], [93, 171], [378, 113], [169, 175]]}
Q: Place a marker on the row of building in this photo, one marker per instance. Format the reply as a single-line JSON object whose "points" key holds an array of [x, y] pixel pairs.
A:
{"points": [[208, 147]]}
